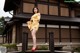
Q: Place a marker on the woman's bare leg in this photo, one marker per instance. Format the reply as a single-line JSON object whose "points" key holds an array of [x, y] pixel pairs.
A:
{"points": [[33, 33]]}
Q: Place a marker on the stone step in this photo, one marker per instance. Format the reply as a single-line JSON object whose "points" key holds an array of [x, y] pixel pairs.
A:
{"points": [[29, 51], [41, 51]]}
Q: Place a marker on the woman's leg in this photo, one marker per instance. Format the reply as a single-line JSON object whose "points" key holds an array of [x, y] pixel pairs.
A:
{"points": [[33, 33]]}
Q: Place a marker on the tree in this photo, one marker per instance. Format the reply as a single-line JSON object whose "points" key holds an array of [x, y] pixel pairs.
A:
{"points": [[77, 0], [1, 25]]}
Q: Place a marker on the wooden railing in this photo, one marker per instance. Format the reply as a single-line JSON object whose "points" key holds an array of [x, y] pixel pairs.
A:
{"points": [[25, 42]]}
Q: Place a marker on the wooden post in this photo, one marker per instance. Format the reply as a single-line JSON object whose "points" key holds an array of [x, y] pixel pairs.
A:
{"points": [[70, 33], [6, 40], [69, 10], [48, 7], [3, 38], [36, 2], [60, 33], [19, 32], [51, 42], [24, 42], [13, 34], [45, 33], [59, 11], [8, 36]]}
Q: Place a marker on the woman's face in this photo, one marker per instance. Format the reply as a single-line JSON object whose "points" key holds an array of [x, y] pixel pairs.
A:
{"points": [[35, 10]]}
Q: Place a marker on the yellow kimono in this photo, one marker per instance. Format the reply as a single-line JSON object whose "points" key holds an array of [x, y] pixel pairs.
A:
{"points": [[34, 22]]}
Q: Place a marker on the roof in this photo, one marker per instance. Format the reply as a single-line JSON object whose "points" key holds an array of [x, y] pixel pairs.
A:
{"points": [[57, 20], [11, 5]]}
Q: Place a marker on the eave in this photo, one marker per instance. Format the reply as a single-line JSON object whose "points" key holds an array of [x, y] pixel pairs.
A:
{"points": [[47, 19], [11, 5]]}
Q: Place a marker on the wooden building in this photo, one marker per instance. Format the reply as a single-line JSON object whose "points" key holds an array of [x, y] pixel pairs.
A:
{"points": [[56, 16]]}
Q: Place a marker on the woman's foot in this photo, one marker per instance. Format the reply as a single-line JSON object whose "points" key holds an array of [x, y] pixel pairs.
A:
{"points": [[33, 49]]}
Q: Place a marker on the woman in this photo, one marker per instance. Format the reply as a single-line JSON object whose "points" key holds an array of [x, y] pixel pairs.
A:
{"points": [[33, 25]]}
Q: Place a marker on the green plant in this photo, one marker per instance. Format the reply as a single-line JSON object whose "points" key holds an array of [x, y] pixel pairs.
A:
{"points": [[29, 48], [43, 47], [10, 47], [77, 49], [39, 47]]}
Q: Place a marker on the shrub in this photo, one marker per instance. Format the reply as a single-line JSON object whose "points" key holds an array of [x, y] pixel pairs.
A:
{"points": [[39, 47], [77, 49], [10, 47]]}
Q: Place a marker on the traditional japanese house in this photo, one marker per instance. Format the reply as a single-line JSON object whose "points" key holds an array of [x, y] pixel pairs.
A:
{"points": [[57, 16]]}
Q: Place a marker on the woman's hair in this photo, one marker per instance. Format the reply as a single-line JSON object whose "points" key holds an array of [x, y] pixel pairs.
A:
{"points": [[36, 8]]}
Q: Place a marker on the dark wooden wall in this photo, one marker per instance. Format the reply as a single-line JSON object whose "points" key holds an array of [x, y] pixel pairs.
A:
{"points": [[65, 37]]}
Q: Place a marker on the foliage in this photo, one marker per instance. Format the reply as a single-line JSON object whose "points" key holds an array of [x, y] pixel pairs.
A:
{"points": [[10, 46], [77, 49], [41, 47], [1, 25], [78, 15]]}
